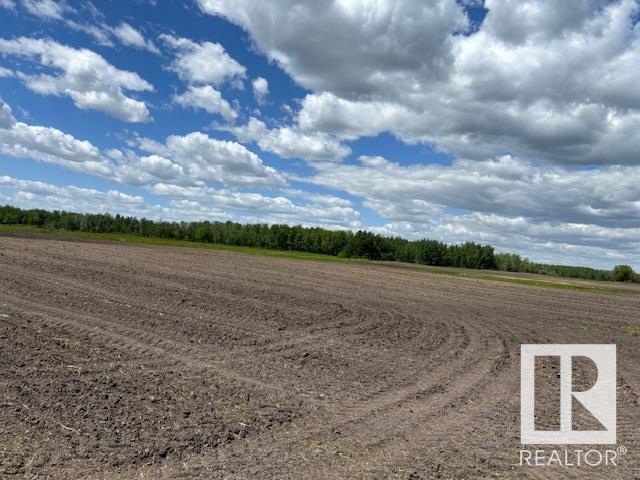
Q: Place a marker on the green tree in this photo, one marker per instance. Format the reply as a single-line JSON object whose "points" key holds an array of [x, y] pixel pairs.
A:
{"points": [[624, 273]]}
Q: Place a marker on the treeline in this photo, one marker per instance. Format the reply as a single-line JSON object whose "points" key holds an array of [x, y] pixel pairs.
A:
{"points": [[281, 237], [510, 262], [340, 243]]}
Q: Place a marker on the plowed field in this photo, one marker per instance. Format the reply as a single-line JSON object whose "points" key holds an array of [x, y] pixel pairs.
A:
{"points": [[131, 361]]}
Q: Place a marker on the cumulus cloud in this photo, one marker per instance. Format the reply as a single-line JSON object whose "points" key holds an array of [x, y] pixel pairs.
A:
{"points": [[550, 81], [132, 169], [506, 186], [256, 207], [204, 66], [206, 98], [199, 158], [83, 75], [351, 119], [364, 47], [30, 194], [291, 142], [180, 203], [260, 89], [193, 159], [53, 146], [517, 21], [202, 63], [48, 144], [128, 35]]}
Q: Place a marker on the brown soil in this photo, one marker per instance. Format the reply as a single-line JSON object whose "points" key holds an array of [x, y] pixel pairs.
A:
{"points": [[121, 361]]}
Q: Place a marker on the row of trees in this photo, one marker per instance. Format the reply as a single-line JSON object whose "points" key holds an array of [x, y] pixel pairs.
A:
{"points": [[510, 262], [345, 244]]}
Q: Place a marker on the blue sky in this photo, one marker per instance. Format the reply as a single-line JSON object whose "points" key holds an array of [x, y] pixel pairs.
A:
{"points": [[511, 123]]}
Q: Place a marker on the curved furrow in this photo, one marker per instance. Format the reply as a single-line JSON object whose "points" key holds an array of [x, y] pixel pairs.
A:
{"points": [[149, 307], [168, 353]]}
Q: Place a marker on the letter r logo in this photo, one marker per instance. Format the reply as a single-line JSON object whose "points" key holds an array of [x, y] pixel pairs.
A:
{"points": [[600, 400]]}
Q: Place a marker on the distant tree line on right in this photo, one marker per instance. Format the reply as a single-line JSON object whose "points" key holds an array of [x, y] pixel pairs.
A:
{"points": [[510, 262], [341, 243]]}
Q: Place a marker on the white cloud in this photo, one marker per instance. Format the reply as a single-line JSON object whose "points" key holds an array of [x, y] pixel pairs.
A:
{"points": [[132, 169], [202, 63], [6, 117], [291, 142], [584, 134], [260, 89], [48, 144], [362, 47], [53, 146], [193, 159], [206, 98], [201, 158], [548, 81], [100, 33], [96, 27], [351, 119], [517, 21], [83, 75], [194, 203], [46, 9], [6, 73], [8, 4], [258, 208], [30, 194], [128, 35], [608, 197]]}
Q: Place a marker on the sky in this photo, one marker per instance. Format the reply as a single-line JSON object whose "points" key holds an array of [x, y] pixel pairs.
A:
{"points": [[509, 122]]}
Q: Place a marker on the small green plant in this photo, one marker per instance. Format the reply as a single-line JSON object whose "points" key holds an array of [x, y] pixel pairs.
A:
{"points": [[77, 369], [317, 447], [345, 455]]}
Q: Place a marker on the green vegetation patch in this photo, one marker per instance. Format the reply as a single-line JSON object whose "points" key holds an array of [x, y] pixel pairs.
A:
{"points": [[633, 329]]}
